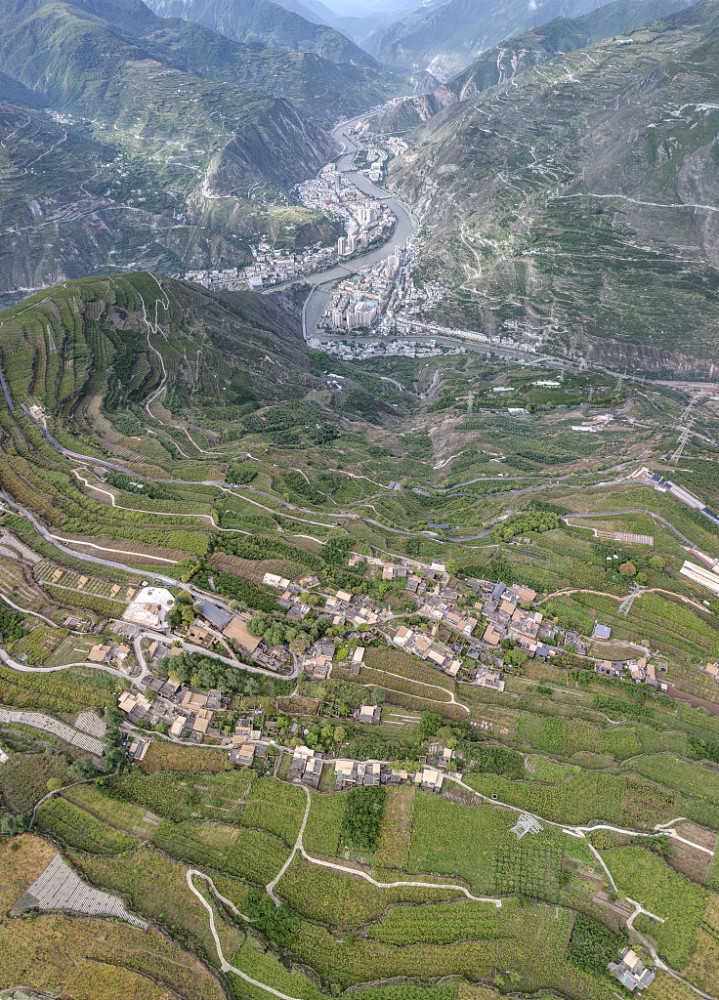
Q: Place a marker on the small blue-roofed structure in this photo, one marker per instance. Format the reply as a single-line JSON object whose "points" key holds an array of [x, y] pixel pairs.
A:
{"points": [[602, 631]]}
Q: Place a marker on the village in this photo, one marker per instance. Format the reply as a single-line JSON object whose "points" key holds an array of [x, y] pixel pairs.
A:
{"points": [[473, 631]]}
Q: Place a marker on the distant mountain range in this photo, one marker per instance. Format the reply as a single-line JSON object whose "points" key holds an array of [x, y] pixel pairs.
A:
{"points": [[579, 199], [442, 38], [515, 55], [261, 21]]}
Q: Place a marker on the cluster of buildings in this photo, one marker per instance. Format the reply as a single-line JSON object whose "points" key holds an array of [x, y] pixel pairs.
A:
{"points": [[362, 298], [270, 266], [365, 218], [427, 648], [188, 714], [357, 610], [353, 351], [631, 972], [507, 619], [306, 768]]}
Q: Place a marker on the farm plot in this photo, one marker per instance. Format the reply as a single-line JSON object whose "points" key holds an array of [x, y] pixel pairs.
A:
{"points": [[37, 720], [645, 803], [397, 662], [163, 756], [266, 968], [418, 689], [156, 887], [216, 797], [342, 900], [99, 959], [58, 692], [24, 778], [702, 969], [249, 854], [437, 923], [392, 850], [112, 811], [691, 780], [322, 833], [77, 828], [355, 960], [476, 843], [645, 877], [22, 860], [59, 888], [275, 807], [581, 798]]}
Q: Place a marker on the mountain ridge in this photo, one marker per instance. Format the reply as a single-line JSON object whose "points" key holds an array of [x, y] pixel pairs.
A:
{"points": [[584, 189]]}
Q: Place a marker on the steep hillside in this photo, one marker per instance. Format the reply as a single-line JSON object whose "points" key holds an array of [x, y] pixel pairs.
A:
{"points": [[317, 86], [150, 165], [267, 23], [449, 36], [134, 365], [588, 195], [118, 336], [515, 55]]}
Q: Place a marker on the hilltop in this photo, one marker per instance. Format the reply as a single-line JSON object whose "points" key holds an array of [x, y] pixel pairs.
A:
{"points": [[585, 192], [267, 23]]}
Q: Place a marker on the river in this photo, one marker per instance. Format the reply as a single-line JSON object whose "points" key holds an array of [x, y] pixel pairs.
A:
{"points": [[405, 227]]}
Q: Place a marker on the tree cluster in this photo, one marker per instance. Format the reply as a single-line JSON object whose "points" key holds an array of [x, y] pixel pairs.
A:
{"points": [[363, 817]]}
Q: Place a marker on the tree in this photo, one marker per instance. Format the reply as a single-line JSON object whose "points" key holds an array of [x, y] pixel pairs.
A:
{"points": [[278, 923], [83, 768], [54, 784], [340, 734], [628, 569], [363, 816], [657, 562], [429, 725]]}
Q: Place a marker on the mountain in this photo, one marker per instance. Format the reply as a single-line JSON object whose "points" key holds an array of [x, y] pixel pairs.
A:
{"points": [[268, 24], [448, 36], [313, 11], [137, 162], [515, 55], [106, 345], [579, 200]]}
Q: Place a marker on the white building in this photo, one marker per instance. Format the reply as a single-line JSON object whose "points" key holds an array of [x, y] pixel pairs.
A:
{"points": [[149, 607]]}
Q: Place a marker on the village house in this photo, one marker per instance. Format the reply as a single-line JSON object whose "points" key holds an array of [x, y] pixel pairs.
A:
{"points": [[306, 767], [489, 679], [369, 714], [631, 972], [429, 779], [243, 755], [236, 629]]}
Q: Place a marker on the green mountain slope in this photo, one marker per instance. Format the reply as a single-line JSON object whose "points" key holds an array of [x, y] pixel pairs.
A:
{"points": [[319, 87], [267, 23], [515, 55], [96, 353], [588, 195], [449, 36], [148, 165]]}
